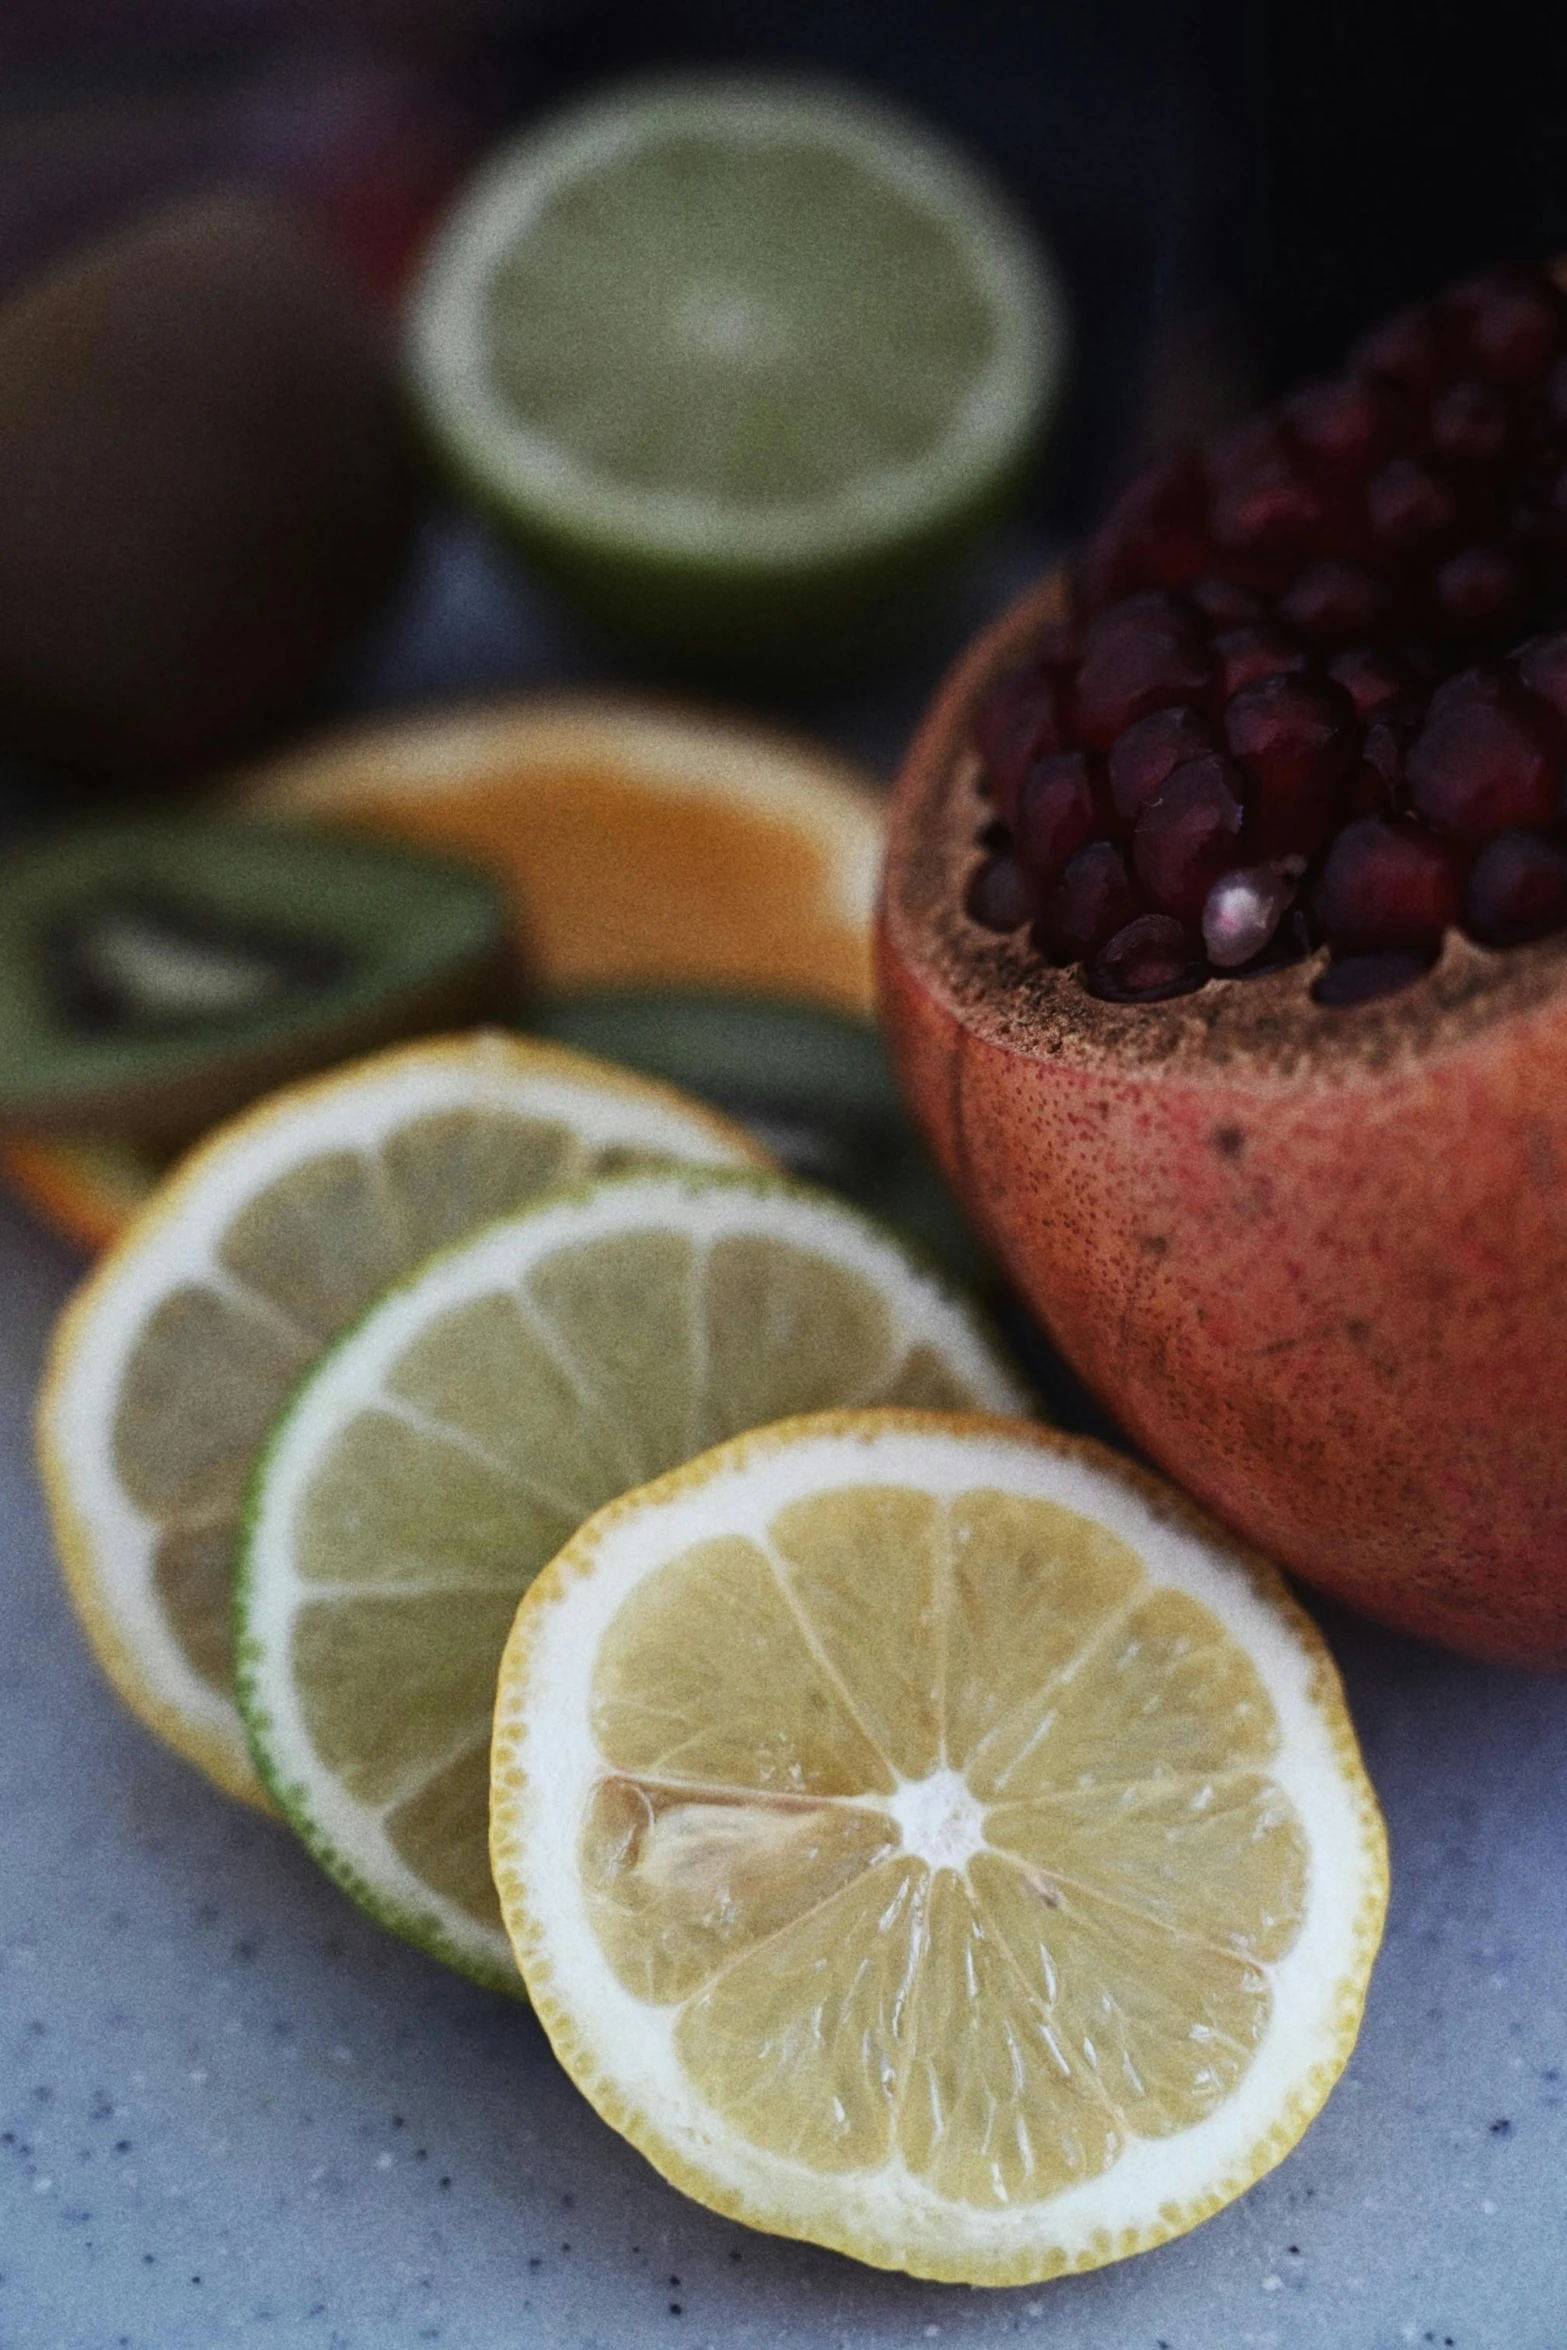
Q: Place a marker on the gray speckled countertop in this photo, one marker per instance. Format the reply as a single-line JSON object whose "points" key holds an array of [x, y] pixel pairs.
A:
{"points": [[232, 2110]]}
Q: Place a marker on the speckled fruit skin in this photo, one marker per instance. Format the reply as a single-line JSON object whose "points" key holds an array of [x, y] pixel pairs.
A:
{"points": [[1314, 1260]]}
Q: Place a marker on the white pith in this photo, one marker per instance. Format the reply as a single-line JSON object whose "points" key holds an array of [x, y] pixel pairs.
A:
{"points": [[622, 2049], [354, 1377], [450, 358], [77, 1422]]}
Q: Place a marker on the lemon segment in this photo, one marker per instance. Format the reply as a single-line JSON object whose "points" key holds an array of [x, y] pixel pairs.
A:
{"points": [[933, 1838], [524, 1378], [174, 1358]]}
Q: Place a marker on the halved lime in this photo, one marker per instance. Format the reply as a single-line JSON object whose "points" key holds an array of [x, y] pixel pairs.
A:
{"points": [[741, 359], [442, 1453]]}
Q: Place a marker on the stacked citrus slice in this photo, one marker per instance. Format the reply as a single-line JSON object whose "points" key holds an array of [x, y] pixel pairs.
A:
{"points": [[933, 1838], [449, 1445], [173, 1359]]}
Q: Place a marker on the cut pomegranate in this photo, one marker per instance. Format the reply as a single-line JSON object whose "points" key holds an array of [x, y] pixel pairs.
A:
{"points": [[1298, 633], [1000, 896], [1187, 837]]}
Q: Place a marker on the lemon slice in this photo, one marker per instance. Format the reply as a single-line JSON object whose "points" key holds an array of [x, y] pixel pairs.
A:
{"points": [[172, 1360], [740, 357], [935, 1839], [443, 1452]]}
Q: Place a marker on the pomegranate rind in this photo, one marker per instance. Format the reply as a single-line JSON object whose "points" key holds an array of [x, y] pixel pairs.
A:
{"points": [[1314, 1259]]}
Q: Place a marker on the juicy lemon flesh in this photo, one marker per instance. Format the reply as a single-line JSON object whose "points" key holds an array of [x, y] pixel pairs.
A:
{"points": [[501, 1426], [749, 324], [942, 1837], [299, 1261]]}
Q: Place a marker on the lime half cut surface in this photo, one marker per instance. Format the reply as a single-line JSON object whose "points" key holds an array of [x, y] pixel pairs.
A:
{"points": [[447, 1448], [741, 356]]}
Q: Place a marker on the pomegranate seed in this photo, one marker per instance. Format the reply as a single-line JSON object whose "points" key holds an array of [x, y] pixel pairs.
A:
{"points": [[1152, 957], [1269, 514], [1482, 764], [1405, 351], [1223, 603], [1388, 884], [1407, 505], [1335, 600], [1243, 910], [1370, 676], [1361, 979], [1242, 655], [1153, 536], [1019, 721], [1344, 426], [1517, 889], [1472, 423], [1514, 330], [1186, 838], [1140, 655], [1295, 738], [1094, 898], [1058, 810], [1143, 759], [1477, 590], [1542, 667], [1292, 942], [999, 896]]}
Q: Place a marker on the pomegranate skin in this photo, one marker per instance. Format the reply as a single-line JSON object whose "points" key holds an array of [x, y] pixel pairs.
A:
{"points": [[1314, 1260]]}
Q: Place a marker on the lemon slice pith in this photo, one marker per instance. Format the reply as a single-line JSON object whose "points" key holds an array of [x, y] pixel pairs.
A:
{"points": [[933, 1838], [171, 1361], [441, 1454]]}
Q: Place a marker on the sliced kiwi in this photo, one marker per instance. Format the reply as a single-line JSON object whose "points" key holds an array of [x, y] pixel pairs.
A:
{"points": [[156, 975]]}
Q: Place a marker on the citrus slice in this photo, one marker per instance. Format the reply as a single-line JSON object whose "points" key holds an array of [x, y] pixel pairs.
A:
{"points": [[645, 847], [448, 1446], [740, 358], [935, 1839], [173, 1358]]}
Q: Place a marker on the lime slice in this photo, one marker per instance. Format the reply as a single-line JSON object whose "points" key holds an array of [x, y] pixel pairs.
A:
{"points": [[173, 1358], [741, 359], [440, 1455], [935, 1838]]}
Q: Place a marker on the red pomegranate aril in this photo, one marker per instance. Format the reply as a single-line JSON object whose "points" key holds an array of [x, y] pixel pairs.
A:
{"points": [[1542, 667], [1387, 884], [1514, 330], [1516, 890], [1361, 979], [1480, 765], [1242, 911], [1019, 721], [1332, 600], [1295, 737], [1143, 759], [1343, 425], [1371, 676], [1094, 898], [1000, 896], [1139, 655], [1406, 350], [1187, 837], [1243, 655], [1058, 811], [1472, 423], [1224, 603], [1477, 591], [1408, 506], [1268, 516], [1153, 957], [1155, 535]]}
